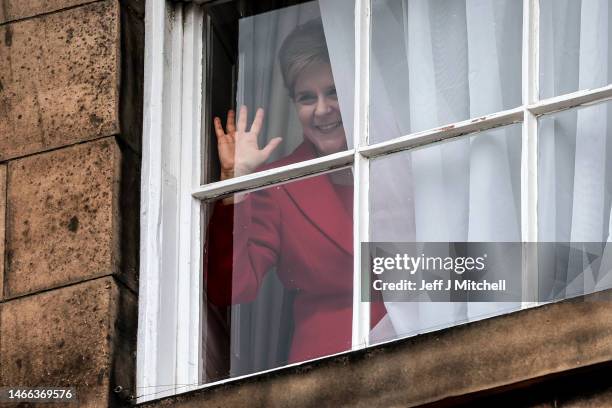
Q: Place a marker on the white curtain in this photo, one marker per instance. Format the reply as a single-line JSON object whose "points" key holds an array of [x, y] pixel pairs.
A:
{"points": [[260, 82], [575, 166], [437, 62]]}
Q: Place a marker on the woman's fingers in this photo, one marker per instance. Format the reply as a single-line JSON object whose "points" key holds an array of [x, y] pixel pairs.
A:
{"points": [[257, 122], [269, 148], [218, 128], [231, 121], [242, 119]]}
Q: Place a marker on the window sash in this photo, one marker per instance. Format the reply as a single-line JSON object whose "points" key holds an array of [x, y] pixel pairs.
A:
{"points": [[529, 152], [361, 211], [406, 142], [274, 175]]}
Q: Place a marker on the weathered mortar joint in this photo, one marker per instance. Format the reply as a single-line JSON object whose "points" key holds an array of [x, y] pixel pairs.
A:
{"points": [[16, 10]]}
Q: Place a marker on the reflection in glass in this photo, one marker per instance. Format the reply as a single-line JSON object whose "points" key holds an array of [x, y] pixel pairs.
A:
{"points": [[279, 275], [575, 201], [436, 62], [574, 45], [463, 190]]}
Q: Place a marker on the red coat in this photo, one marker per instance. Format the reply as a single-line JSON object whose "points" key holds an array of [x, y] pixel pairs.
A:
{"points": [[305, 229]]}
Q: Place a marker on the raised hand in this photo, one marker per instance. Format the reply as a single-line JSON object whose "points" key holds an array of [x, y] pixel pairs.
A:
{"points": [[239, 151]]}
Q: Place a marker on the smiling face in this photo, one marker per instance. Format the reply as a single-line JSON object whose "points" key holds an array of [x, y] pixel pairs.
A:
{"points": [[317, 107]]}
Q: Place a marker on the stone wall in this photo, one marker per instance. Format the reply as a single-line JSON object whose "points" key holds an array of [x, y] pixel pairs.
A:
{"points": [[70, 130]]}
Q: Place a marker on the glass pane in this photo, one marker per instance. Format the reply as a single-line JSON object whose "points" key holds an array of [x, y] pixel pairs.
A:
{"points": [[575, 198], [574, 45], [279, 275], [463, 190], [293, 65], [436, 62]]}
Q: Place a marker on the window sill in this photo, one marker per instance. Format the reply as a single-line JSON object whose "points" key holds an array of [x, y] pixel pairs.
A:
{"points": [[529, 345]]}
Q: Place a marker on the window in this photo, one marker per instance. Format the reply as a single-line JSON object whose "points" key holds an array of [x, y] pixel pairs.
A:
{"points": [[433, 121]]}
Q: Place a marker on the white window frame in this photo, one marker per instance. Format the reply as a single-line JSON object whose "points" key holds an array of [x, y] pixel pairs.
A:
{"points": [[170, 259], [169, 357]]}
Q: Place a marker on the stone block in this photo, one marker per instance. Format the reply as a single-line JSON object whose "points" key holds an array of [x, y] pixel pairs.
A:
{"points": [[59, 79], [2, 223], [69, 213], [18, 9], [67, 338]]}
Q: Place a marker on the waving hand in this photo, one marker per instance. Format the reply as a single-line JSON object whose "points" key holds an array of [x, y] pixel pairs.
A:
{"points": [[239, 151]]}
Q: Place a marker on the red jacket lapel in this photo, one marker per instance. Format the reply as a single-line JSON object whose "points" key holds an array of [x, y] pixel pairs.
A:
{"points": [[319, 202]]}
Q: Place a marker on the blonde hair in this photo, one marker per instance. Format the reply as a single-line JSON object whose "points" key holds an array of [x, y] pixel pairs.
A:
{"points": [[304, 46]]}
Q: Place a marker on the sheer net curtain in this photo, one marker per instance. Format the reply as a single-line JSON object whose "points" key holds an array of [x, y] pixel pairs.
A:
{"points": [[261, 331], [575, 149], [436, 62], [260, 82]]}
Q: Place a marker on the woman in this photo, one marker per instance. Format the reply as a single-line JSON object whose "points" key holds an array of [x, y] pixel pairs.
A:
{"points": [[302, 228]]}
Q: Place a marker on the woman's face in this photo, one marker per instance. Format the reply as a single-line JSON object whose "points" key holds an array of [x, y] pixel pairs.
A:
{"points": [[317, 108]]}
